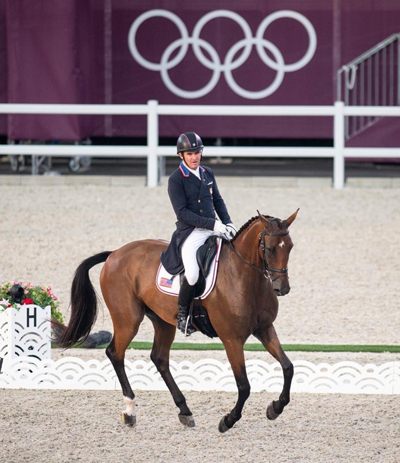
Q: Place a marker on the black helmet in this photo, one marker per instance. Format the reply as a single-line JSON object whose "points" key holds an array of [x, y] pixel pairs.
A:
{"points": [[189, 141]]}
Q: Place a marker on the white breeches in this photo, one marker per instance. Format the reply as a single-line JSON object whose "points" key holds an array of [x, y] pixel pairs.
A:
{"points": [[189, 250]]}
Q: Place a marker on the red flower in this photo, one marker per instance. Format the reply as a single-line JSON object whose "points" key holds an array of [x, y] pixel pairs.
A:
{"points": [[28, 300]]}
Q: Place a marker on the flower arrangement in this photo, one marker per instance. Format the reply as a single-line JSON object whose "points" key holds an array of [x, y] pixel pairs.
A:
{"points": [[40, 295]]}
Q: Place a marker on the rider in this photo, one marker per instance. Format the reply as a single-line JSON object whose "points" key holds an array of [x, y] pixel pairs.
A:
{"points": [[195, 198]]}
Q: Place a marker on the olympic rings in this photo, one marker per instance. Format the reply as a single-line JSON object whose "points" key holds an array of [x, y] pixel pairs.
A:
{"points": [[229, 64], [184, 93], [275, 84]]}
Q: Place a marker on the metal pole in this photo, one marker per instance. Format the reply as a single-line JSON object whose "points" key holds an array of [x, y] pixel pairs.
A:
{"points": [[338, 144], [398, 71], [152, 144]]}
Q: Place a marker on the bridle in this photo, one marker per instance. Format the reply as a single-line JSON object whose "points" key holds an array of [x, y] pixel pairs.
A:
{"points": [[265, 270]]}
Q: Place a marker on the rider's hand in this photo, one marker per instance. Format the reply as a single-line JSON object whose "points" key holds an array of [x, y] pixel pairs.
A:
{"points": [[231, 229], [222, 230]]}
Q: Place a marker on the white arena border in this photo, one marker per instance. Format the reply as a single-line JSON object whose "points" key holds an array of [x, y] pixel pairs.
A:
{"points": [[204, 375]]}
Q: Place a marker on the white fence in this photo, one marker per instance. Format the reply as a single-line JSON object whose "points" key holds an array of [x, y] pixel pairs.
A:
{"points": [[203, 375], [152, 151]]}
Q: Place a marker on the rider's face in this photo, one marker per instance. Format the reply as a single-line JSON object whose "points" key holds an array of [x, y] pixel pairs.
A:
{"points": [[192, 158]]}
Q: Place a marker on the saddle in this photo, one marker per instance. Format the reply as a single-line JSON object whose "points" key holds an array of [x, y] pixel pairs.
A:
{"points": [[207, 259]]}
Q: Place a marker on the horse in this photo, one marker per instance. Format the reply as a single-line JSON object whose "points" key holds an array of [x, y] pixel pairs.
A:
{"points": [[253, 272]]}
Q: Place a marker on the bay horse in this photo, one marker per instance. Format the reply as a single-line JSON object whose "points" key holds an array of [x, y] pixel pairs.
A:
{"points": [[253, 272]]}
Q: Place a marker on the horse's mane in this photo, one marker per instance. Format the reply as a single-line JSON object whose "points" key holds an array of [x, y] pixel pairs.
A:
{"points": [[250, 221], [243, 227]]}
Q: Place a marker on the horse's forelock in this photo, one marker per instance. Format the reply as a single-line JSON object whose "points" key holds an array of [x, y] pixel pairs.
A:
{"points": [[281, 224]]}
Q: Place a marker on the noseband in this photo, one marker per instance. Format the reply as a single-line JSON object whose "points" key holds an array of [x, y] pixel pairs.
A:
{"points": [[265, 270]]}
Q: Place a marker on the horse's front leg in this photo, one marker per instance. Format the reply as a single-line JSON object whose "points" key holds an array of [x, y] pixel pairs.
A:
{"points": [[234, 351], [270, 340]]}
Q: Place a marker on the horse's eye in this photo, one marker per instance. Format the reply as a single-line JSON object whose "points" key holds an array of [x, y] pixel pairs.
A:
{"points": [[271, 250]]}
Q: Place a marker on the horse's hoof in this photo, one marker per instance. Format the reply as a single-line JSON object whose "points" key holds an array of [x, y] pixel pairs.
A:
{"points": [[129, 420], [271, 413], [187, 420], [222, 427]]}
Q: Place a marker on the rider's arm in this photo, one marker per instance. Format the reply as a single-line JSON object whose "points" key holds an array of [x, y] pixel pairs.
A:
{"points": [[178, 199]]}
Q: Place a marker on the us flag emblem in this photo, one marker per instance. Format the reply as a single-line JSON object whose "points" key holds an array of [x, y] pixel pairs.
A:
{"points": [[166, 283]]}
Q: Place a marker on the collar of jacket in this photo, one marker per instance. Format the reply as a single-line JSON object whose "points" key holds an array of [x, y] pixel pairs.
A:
{"points": [[185, 171]]}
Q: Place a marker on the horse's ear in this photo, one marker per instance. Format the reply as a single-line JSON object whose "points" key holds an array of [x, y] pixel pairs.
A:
{"points": [[290, 219], [264, 221], [262, 218]]}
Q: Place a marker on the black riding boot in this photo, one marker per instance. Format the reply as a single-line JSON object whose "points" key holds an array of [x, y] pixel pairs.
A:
{"points": [[185, 298]]}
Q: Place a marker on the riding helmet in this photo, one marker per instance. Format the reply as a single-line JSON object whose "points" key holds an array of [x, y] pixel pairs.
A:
{"points": [[189, 141]]}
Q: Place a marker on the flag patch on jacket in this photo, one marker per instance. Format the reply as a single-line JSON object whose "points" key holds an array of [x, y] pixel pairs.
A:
{"points": [[166, 283]]}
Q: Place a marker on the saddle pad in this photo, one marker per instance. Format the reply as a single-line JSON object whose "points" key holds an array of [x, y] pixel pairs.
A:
{"points": [[168, 285]]}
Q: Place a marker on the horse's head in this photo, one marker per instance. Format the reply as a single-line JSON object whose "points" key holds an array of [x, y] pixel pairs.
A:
{"points": [[275, 247]]}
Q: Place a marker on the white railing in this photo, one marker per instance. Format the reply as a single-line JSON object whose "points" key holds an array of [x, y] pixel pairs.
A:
{"points": [[152, 151], [204, 375]]}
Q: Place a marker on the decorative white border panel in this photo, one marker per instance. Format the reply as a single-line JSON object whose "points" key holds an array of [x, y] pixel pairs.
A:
{"points": [[204, 375], [25, 332]]}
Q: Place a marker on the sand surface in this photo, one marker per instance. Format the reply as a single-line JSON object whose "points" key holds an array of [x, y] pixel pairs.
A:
{"points": [[68, 426], [344, 273]]}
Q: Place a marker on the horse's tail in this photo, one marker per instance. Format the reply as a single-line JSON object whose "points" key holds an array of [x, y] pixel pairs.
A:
{"points": [[83, 305]]}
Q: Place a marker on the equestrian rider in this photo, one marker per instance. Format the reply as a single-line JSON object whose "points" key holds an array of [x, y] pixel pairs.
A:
{"points": [[195, 198]]}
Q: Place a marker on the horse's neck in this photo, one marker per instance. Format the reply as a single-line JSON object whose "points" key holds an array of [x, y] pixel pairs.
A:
{"points": [[247, 242]]}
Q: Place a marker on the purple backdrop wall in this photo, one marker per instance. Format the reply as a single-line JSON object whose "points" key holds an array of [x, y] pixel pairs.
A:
{"points": [[81, 51]]}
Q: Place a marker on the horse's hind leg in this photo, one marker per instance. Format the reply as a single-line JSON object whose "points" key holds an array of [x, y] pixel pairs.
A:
{"points": [[125, 329], [164, 335], [270, 340]]}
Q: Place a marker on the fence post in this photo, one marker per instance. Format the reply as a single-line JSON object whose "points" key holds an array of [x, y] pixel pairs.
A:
{"points": [[152, 144], [338, 144]]}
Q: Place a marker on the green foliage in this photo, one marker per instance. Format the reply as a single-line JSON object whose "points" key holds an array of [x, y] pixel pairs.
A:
{"points": [[141, 345], [40, 295]]}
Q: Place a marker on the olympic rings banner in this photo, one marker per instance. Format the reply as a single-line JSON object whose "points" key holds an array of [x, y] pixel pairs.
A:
{"points": [[241, 55], [229, 64], [205, 52]]}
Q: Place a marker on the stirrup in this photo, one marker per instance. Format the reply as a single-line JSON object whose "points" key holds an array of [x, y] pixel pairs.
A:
{"points": [[185, 326], [189, 329]]}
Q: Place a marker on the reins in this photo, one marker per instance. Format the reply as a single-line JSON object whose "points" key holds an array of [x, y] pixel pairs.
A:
{"points": [[265, 268]]}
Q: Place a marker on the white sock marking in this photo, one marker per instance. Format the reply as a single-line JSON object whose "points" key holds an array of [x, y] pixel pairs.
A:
{"points": [[130, 406]]}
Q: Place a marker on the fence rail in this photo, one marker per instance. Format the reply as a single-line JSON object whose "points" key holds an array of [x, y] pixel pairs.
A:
{"points": [[153, 152]]}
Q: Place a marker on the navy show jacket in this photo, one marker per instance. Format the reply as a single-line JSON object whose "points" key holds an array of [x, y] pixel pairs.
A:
{"points": [[195, 203]]}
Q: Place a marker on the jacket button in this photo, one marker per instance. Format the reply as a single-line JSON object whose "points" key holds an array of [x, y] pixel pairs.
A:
{"points": [[201, 210], [199, 201]]}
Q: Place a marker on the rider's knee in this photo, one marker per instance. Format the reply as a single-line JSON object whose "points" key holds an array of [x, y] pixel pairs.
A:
{"points": [[192, 275]]}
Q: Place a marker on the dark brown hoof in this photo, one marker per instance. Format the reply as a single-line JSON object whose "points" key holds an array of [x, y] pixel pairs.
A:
{"points": [[271, 413], [222, 427], [129, 420], [187, 420]]}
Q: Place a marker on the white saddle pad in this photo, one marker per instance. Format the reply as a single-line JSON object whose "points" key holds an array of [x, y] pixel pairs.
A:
{"points": [[171, 285]]}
